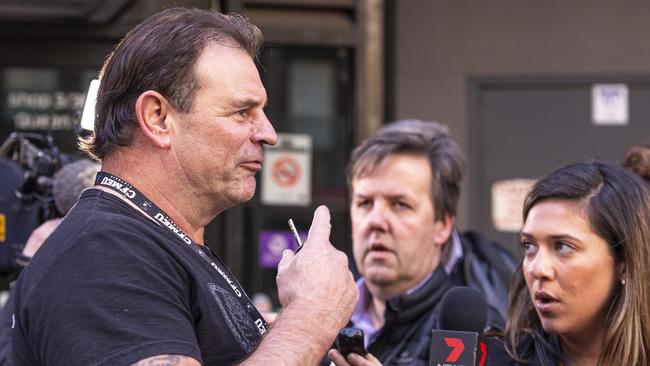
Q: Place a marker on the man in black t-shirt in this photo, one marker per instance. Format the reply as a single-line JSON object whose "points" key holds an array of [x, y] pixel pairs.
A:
{"points": [[126, 277]]}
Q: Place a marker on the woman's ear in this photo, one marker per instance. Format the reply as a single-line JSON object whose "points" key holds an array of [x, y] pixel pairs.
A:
{"points": [[152, 111], [620, 273]]}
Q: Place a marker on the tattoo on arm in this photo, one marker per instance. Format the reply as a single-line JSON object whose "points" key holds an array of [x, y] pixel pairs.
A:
{"points": [[166, 360]]}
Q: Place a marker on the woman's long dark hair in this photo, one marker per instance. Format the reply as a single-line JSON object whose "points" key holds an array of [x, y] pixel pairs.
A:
{"points": [[617, 204]]}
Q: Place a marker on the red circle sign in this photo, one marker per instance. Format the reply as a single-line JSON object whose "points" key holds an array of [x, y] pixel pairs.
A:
{"points": [[285, 172]]}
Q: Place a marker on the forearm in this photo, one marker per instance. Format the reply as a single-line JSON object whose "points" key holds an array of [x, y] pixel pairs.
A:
{"points": [[295, 339], [168, 360]]}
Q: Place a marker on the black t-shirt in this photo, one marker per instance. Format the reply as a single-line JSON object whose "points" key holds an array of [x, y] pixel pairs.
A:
{"points": [[111, 287]]}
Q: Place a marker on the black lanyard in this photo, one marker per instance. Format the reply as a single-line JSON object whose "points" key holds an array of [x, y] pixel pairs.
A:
{"points": [[121, 186]]}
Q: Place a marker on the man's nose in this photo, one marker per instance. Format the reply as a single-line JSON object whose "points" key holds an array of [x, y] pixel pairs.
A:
{"points": [[377, 217], [265, 133]]}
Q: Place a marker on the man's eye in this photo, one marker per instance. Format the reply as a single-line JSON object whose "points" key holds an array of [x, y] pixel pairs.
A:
{"points": [[364, 203], [243, 113], [401, 205]]}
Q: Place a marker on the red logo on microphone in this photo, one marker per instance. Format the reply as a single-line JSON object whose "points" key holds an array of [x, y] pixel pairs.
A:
{"points": [[483, 353], [458, 348]]}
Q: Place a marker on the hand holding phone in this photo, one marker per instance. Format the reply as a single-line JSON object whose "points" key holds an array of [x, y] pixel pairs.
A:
{"points": [[316, 291], [350, 340]]}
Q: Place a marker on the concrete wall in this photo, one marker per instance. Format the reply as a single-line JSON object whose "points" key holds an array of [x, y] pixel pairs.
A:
{"points": [[440, 44]]}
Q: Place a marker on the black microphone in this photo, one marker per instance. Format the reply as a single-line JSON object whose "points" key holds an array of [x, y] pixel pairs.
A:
{"points": [[458, 340]]}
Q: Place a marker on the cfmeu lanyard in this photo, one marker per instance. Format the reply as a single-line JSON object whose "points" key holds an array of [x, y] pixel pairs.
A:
{"points": [[119, 185]]}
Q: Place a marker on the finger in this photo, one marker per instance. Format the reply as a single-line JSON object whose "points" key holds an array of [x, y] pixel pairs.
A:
{"points": [[372, 359], [320, 226], [358, 360], [337, 358], [287, 255], [269, 316]]}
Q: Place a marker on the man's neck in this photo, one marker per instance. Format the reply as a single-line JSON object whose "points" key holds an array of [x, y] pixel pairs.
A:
{"points": [[190, 214], [385, 292], [376, 307]]}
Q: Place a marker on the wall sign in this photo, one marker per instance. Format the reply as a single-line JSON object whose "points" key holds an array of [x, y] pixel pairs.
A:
{"points": [[286, 176], [271, 245], [508, 202], [610, 104]]}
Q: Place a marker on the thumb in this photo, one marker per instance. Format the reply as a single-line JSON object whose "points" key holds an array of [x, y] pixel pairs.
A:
{"points": [[287, 255], [320, 226]]}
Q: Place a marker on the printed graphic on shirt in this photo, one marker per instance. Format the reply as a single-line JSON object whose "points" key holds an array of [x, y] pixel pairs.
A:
{"points": [[244, 331]]}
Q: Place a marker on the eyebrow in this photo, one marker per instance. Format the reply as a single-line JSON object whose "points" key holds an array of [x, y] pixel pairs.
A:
{"points": [[553, 237], [391, 197], [249, 102]]}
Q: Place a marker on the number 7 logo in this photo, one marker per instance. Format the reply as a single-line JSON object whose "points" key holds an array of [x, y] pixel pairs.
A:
{"points": [[458, 348]]}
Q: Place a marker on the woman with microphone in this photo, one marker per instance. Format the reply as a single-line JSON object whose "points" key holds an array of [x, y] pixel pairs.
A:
{"points": [[581, 295]]}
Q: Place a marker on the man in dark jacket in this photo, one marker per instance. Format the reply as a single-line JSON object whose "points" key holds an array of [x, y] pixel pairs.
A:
{"points": [[405, 183]]}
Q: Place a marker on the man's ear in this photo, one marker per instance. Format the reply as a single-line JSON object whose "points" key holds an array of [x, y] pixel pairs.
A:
{"points": [[443, 229], [153, 111]]}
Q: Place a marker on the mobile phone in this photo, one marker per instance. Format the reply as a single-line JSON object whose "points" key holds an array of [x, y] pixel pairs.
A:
{"points": [[296, 237], [350, 340]]}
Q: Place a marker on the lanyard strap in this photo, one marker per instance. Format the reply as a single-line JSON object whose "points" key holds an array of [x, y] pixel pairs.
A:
{"points": [[121, 186]]}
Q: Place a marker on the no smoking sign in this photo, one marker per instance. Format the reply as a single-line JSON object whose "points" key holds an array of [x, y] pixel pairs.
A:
{"points": [[285, 171], [286, 176]]}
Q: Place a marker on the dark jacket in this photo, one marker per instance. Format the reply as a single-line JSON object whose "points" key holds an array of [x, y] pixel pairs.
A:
{"points": [[488, 267], [409, 319], [406, 336]]}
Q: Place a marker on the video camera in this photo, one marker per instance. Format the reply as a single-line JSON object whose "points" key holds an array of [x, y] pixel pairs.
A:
{"points": [[39, 158]]}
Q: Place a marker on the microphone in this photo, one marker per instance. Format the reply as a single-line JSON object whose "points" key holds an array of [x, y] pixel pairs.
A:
{"points": [[461, 320], [69, 181]]}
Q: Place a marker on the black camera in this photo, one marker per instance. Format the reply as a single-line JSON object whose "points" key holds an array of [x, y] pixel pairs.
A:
{"points": [[28, 162], [39, 158], [350, 340]]}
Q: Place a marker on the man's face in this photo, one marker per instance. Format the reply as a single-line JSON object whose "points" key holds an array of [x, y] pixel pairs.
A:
{"points": [[219, 143], [396, 237]]}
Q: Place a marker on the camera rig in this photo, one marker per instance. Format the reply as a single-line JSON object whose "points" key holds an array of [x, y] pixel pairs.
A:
{"points": [[39, 158]]}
